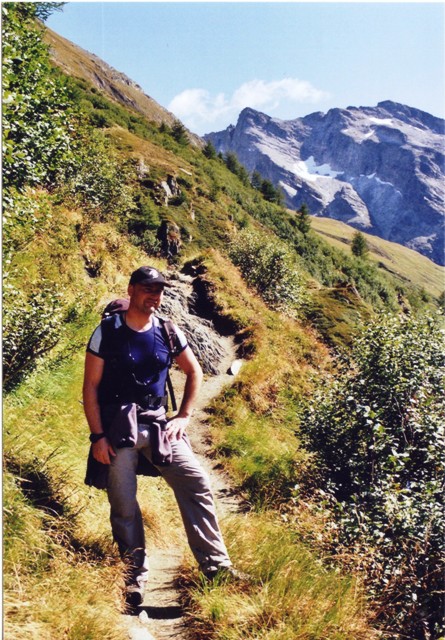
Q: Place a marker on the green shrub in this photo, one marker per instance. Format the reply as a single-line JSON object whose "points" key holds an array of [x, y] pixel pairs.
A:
{"points": [[36, 112], [377, 432], [24, 216], [102, 183], [32, 326], [144, 217], [269, 265], [148, 242]]}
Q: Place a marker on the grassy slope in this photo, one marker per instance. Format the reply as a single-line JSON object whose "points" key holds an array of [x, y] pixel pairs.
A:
{"points": [[73, 568], [77, 62], [404, 263], [81, 64]]}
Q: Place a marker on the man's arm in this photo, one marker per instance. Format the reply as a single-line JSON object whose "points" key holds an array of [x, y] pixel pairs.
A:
{"points": [[94, 368], [192, 369]]}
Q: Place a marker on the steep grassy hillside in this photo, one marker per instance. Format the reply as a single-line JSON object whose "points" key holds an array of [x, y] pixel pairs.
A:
{"points": [[77, 62], [405, 264], [98, 184]]}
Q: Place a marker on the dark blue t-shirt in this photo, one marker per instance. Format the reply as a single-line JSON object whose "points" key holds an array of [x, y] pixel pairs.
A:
{"points": [[136, 362]]}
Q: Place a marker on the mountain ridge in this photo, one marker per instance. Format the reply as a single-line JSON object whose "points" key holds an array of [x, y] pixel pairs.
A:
{"points": [[78, 62], [379, 169]]}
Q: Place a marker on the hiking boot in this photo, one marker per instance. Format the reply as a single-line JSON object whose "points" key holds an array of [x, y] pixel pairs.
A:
{"points": [[134, 595], [228, 574]]}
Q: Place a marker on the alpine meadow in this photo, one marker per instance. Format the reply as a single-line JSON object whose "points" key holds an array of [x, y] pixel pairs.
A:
{"points": [[332, 432]]}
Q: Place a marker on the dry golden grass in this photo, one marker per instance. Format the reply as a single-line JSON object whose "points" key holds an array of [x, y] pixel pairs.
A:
{"points": [[153, 154], [77, 62], [293, 596], [406, 264]]}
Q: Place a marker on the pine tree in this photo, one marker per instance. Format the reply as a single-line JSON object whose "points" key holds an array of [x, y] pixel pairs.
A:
{"points": [[209, 151], [303, 219], [179, 133], [44, 9], [256, 180], [271, 193], [232, 162], [359, 246]]}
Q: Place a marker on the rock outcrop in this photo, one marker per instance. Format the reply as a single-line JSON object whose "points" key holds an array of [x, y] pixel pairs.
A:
{"points": [[205, 341], [169, 235], [379, 169]]}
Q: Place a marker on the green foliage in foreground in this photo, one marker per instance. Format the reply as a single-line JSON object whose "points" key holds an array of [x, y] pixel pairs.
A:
{"points": [[36, 109], [32, 326], [378, 438]]}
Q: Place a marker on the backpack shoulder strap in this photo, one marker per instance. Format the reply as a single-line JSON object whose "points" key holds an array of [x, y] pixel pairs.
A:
{"points": [[170, 334], [109, 327], [168, 329]]}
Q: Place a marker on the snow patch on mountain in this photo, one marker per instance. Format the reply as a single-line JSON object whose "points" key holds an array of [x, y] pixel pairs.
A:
{"points": [[312, 170], [382, 121], [289, 190]]}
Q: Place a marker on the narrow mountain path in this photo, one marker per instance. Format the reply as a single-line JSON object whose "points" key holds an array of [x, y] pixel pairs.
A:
{"points": [[160, 616]]}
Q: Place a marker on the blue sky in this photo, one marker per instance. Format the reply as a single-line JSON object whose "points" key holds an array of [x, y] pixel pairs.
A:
{"points": [[206, 61]]}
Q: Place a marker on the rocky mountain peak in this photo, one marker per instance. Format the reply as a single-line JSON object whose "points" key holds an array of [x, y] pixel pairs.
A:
{"points": [[379, 169]]}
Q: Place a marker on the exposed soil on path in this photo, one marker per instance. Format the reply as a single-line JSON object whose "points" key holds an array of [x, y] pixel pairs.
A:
{"points": [[160, 615]]}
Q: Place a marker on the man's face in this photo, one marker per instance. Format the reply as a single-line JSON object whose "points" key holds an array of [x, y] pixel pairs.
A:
{"points": [[145, 298]]}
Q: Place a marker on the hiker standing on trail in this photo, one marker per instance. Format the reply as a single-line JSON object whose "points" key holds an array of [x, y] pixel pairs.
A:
{"points": [[126, 367]]}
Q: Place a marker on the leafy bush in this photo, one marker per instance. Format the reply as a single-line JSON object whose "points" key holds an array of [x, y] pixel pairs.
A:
{"points": [[102, 183], [378, 435], [148, 242], [24, 216], [36, 111], [32, 326], [270, 267]]}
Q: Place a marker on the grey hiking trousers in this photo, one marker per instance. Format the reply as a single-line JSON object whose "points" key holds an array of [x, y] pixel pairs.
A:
{"points": [[191, 487]]}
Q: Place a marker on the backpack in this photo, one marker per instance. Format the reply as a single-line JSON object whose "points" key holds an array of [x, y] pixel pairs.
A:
{"points": [[167, 327]]}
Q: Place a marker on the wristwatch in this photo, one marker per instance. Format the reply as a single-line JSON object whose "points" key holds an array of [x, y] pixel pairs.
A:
{"points": [[95, 437]]}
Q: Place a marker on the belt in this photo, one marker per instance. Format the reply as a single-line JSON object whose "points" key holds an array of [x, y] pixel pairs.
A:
{"points": [[152, 402]]}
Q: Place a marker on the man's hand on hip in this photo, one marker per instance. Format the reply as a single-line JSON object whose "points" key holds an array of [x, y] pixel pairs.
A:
{"points": [[176, 427]]}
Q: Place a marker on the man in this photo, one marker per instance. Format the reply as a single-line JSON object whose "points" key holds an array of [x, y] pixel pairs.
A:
{"points": [[126, 364]]}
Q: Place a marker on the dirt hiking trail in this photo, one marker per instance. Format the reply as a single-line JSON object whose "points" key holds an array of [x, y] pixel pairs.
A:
{"points": [[161, 616]]}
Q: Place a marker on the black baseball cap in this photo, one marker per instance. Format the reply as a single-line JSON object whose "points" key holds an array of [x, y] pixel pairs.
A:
{"points": [[148, 275]]}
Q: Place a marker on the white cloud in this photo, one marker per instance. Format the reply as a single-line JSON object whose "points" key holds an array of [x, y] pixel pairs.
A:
{"points": [[257, 93], [199, 110]]}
